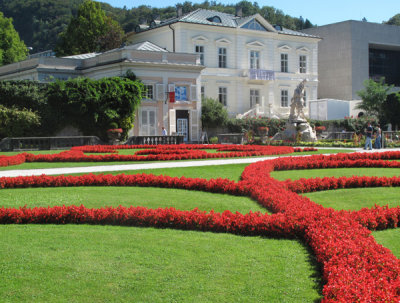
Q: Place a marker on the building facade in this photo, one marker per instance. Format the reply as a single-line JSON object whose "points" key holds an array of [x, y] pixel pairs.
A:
{"points": [[353, 51], [160, 71], [251, 66]]}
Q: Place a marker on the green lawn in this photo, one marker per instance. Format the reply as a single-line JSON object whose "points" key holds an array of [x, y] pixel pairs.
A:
{"points": [[229, 171], [85, 263], [390, 239], [151, 197], [357, 198], [335, 172]]}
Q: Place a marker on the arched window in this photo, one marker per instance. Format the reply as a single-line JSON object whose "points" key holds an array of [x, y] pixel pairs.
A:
{"points": [[215, 19]]}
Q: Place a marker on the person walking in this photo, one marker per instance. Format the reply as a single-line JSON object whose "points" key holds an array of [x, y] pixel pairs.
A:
{"points": [[368, 137], [378, 138], [163, 131]]}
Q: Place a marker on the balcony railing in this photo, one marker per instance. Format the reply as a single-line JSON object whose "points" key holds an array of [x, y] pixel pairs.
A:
{"points": [[154, 140], [261, 74]]}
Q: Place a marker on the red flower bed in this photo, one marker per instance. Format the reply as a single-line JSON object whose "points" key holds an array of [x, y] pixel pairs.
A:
{"points": [[213, 185], [12, 160], [317, 184], [160, 152], [355, 267], [236, 223], [150, 153]]}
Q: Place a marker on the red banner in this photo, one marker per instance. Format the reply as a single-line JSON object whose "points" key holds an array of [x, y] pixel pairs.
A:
{"points": [[171, 97]]}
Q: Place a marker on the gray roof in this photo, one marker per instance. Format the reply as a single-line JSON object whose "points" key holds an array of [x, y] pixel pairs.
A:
{"points": [[287, 31], [201, 16], [204, 16]]}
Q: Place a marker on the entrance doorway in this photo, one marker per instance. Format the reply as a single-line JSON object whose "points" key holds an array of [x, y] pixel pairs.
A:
{"points": [[182, 124]]}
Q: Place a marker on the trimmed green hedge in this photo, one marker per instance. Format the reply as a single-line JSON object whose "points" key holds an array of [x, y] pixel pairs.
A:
{"points": [[89, 105]]}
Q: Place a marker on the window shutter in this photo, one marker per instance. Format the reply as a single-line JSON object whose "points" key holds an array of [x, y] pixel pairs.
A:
{"points": [[172, 121], [193, 92], [171, 87], [194, 124], [160, 92]]}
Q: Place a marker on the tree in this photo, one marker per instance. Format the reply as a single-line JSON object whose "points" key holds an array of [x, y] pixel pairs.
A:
{"points": [[12, 49], [373, 97], [213, 113], [90, 31], [395, 20]]}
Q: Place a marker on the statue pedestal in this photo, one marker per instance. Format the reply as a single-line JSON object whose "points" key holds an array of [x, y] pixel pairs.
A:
{"points": [[291, 130], [297, 123]]}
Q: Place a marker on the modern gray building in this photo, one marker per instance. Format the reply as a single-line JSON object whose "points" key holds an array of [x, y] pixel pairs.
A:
{"points": [[353, 51]]}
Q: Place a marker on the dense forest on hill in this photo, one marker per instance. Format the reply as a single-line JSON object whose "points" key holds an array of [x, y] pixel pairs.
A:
{"points": [[39, 22]]}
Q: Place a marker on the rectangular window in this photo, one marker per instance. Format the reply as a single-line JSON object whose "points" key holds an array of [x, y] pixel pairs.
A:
{"points": [[284, 98], [149, 91], [181, 93], [284, 63], [222, 95], [222, 57], [254, 60], [303, 64], [254, 97], [305, 98], [202, 92], [199, 49]]}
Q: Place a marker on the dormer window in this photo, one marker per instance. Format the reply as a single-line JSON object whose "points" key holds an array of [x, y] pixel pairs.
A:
{"points": [[215, 19], [254, 25]]}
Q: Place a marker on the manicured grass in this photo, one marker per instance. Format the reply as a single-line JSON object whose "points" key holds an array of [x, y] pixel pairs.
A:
{"points": [[357, 198], [229, 171], [335, 172], [72, 263], [390, 239], [96, 197]]}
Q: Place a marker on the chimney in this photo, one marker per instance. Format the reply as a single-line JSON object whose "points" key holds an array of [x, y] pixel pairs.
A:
{"points": [[239, 11], [179, 11]]}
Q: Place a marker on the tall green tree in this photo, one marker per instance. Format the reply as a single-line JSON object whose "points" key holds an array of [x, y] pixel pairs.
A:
{"points": [[395, 20], [12, 49], [373, 97], [90, 31]]}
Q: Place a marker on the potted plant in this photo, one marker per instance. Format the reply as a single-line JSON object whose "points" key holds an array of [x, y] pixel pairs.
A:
{"points": [[114, 133]]}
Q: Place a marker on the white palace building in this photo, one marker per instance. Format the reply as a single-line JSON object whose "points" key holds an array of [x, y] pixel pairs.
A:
{"points": [[252, 67]]}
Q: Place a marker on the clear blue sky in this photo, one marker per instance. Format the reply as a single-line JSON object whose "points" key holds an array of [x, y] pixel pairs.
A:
{"points": [[319, 12]]}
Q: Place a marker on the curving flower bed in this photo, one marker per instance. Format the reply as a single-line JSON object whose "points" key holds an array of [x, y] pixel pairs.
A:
{"points": [[355, 267], [12, 160]]}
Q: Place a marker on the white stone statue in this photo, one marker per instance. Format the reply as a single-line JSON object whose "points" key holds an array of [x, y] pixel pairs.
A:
{"points": [[297, 104]]}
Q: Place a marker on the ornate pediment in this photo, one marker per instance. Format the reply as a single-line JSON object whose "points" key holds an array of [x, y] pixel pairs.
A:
{"points": [[199, 39], [284, 48], [302, 49], [223, 41], [255, 44]]}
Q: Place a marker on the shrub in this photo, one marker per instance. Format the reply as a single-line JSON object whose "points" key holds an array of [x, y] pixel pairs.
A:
{"points": [[213, 113], [17, 123], [256, 125]]}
